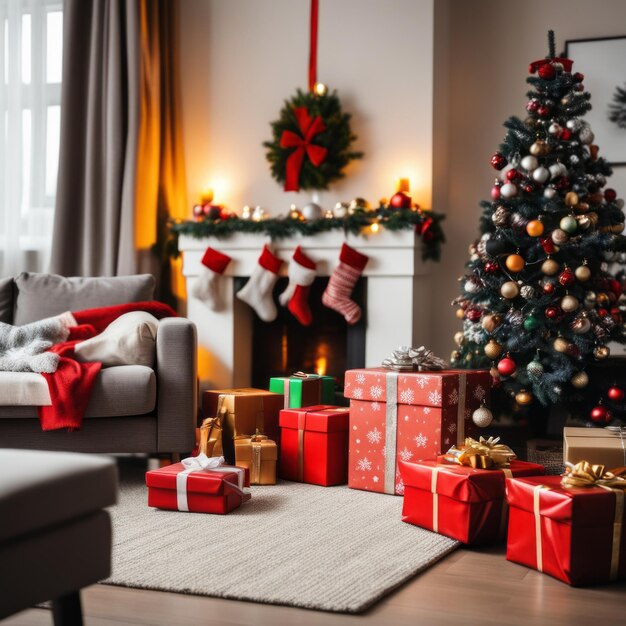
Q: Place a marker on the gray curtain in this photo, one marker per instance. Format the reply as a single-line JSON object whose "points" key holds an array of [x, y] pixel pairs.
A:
{"points": [[94, 224]]}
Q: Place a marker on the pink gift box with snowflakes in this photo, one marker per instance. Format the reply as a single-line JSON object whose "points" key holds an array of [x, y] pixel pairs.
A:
{"points": [[408, 416]]}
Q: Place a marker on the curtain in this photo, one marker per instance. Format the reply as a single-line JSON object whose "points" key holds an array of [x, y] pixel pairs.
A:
{"points": [[121, 170]]}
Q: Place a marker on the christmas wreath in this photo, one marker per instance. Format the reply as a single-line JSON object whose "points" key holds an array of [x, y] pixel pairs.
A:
{"points": [[311, 142]]}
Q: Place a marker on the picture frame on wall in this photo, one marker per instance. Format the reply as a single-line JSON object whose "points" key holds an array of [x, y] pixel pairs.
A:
{"points": [[602, 61]]}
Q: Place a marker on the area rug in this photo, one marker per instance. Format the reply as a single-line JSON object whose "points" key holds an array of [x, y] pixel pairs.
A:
{"points": [[332, 549]]}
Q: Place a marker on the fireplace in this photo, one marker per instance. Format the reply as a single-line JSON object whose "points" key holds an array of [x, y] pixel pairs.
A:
{"points": [[394, 293]]}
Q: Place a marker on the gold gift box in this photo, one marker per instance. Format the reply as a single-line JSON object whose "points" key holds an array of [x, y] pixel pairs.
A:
{"points": [[242, 412], [259, 455], [598, 446]]}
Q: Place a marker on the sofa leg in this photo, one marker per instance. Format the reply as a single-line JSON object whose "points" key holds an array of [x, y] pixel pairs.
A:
{"points": [[175, 457], [67, 611]]}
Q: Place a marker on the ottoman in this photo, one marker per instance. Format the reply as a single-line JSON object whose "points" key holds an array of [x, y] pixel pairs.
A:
{"points": [[55, 537]]}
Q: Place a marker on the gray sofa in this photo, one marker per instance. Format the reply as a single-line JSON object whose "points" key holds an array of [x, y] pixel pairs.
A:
{"points": [[132, 408]]}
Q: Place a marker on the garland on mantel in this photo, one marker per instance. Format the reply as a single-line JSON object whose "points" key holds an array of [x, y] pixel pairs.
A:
{"points": [[425, 223]]}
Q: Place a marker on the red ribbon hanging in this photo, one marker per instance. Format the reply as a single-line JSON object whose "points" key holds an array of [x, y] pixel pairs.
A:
{"points": [[535, 65], [309, 128], [313, 45]]}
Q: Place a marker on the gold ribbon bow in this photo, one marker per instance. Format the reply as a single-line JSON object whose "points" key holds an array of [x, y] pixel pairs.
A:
{"points": [[407, 359], [482, 454], [584, 474]]}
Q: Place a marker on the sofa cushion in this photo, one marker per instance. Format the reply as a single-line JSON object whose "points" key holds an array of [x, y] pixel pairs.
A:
{"points": [[6, 300], [44, 295], [128, 340], [118, 392], [41, 489], [23, 389]]}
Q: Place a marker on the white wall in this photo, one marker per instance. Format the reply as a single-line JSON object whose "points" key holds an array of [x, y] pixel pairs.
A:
{"points": [[242, 58]]}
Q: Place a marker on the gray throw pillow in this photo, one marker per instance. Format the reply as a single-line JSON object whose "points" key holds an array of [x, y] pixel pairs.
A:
{"points": [[6, 300], [44, 295]]}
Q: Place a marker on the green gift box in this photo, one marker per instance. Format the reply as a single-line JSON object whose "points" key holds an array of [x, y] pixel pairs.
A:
{"points": [[302, 390]]}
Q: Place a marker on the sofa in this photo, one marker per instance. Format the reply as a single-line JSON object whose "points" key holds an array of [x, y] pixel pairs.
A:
{"points": [[133, 408]]}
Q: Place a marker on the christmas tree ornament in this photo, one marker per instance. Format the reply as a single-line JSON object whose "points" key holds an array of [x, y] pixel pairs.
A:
{"points": [[559, 237], [548, 245], [459, 338], [493, 349], [508, 190], [601, 352], [584, 223], [529, 163], [257, 292], [527, 292], [459, 314], [590, 299], [500, 217], [523, 398], [495, 192], [561, 345], [557, 170], [580, 325], [358, 205], [610, 195], [579, 380], [535, 228], [586, 136], [518, 221], [340, 210], [574, 125], [532, 323], [567, 277], [571, 199], [602, 299], [312, 211], [550, 267], [515, 318], [555, 129], [568, 224], [513, 175], [509, 290], [554, 313], [544, 111], [539, 148], [547, 72], [569, 304], [532, 105], [301, 273], [535, 368], [547, 287], [515, 262], [342, 282], [294, 213], [498, 161], [472, 286], [491, 322], [482, 417], [549, 193], [400, 200], [600, 414], [541, 174], [507, 366], [615, 394], [473, 314], [491, 267], [206, 286]]}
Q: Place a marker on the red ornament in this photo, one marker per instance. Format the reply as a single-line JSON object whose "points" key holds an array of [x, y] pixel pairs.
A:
{"points": [[548, 288], [498, 161], [555, 313], [548, 245], [197, 211], [212, 211], [578, 77], [473, 315], [610, 195], [507, 366], [566, 134], [547, 72], [543, 110], [602, 312], [400, 200], [567, 277], [495, 192], [532, 106], [513, 175], [616, 394], [562, 183], [600, 414], [491, 267], [615, 286], [528, 187]]}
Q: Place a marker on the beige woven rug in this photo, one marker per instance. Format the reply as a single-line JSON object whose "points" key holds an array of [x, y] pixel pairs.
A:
{"points": [[333, 549]]}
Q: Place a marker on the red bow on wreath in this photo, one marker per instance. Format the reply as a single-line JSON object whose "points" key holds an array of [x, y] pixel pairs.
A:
{"points": [[566, 63], [309, 128]]}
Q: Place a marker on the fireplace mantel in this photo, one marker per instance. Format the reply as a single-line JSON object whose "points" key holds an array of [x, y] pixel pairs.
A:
{"points": [[398, 288]]}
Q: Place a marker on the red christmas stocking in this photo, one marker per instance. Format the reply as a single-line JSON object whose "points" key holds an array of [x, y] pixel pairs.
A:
{"points": [[296, 297], [257, 292], [341, 283], [205, 287]]}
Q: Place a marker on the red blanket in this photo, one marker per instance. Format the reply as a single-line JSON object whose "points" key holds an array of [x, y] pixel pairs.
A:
{"points": [[70, 386]]}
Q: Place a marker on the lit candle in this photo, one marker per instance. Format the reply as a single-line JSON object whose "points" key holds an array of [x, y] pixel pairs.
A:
{"points": [[320, 89], [403, 185], [206, 196]]}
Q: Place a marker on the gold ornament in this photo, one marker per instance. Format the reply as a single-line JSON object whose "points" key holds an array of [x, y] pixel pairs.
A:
{"points": [[582, 273], [569, 303], [539, 148], [601, 352], [550, 267], [561, 345], [493, 349], [571, 198], [523, 397], [494, 373], [580, 380], [459, 338], [509, 290], [460, 314], [581, 207], [358, 204], [491, 322], [581, 325]]}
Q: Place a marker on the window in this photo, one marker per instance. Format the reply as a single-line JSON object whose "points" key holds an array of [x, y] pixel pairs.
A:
{"points": [[31, 42]]}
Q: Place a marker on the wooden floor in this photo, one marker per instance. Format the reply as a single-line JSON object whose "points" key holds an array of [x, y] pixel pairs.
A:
{"points": [[467, 587]]}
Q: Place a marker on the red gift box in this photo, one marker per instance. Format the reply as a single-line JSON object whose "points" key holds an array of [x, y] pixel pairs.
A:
{"points": [[461, 502], [216, 490], [407, 416], [575, 535], [314, 445]]}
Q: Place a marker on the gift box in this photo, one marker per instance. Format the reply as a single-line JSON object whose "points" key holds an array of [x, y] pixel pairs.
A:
{"points": [[258, 455], [595, 445], [407, 416], [199, 485], [314, 445], [461, 502], [576, 535], [304, 390], [242, 412]]}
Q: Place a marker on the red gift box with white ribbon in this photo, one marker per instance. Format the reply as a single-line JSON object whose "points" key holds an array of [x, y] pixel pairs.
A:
{"points": [[407, 416], [198, 484], [314, 445], [461, 502], [576, 535]]}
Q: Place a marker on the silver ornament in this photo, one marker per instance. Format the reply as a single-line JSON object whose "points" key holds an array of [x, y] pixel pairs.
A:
{"points": [[527, 292], [518, 221], [574, 159], [574, 124], [534, 368], [601, 180], [312, 211], [549, 193], [500, 217], [530, 163], [541, 174], [554, 129], [508, 190], [340, 210], [515, 318], [619, 203], [482, 417], [586, 135], [471, 286]]}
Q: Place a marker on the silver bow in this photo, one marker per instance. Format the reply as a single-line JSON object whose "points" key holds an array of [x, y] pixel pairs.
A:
{"points": [[406, 359]]}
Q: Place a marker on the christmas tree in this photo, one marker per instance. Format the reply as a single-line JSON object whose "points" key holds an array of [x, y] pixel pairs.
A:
{"points": [[617, 109], [538, 303]]}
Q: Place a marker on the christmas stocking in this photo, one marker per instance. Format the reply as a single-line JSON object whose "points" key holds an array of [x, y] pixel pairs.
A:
{"points": [[301, 275], [257, 292], [341, 283], [206, 286]]}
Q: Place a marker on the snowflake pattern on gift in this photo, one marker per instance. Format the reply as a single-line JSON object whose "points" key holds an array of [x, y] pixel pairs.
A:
{"points": [[357, 393], [407, 396], [453, 398], [434, 397], [376, 391], [479, 392], [405, 454], [360, 379], [374, 436], [422, 381], [426, 410], [452, 428], [421, 440], [364, 464], [375, 406], [375, 479], [400, 487]]}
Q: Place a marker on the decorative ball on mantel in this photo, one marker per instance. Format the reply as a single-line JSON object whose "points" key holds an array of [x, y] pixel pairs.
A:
{"points": [[400, 200], [312, 211], [358, 204], [340, 210]]}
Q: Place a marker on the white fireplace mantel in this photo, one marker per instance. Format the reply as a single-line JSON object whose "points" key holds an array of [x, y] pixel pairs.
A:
{"points": [[398, 288]]}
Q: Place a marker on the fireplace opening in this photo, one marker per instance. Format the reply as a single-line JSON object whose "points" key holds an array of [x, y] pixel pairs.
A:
{"points": [[329, 346]]}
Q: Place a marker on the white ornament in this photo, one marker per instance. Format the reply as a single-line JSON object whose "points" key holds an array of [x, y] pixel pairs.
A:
{"points": [[530, 163], [508, 190], [557, 169], [541, 174], [340, 210], [574, 124], [586, 135], [619, 203], [554, 129], [472, 287], [482, 417], [312, 211], [549, 193]]}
